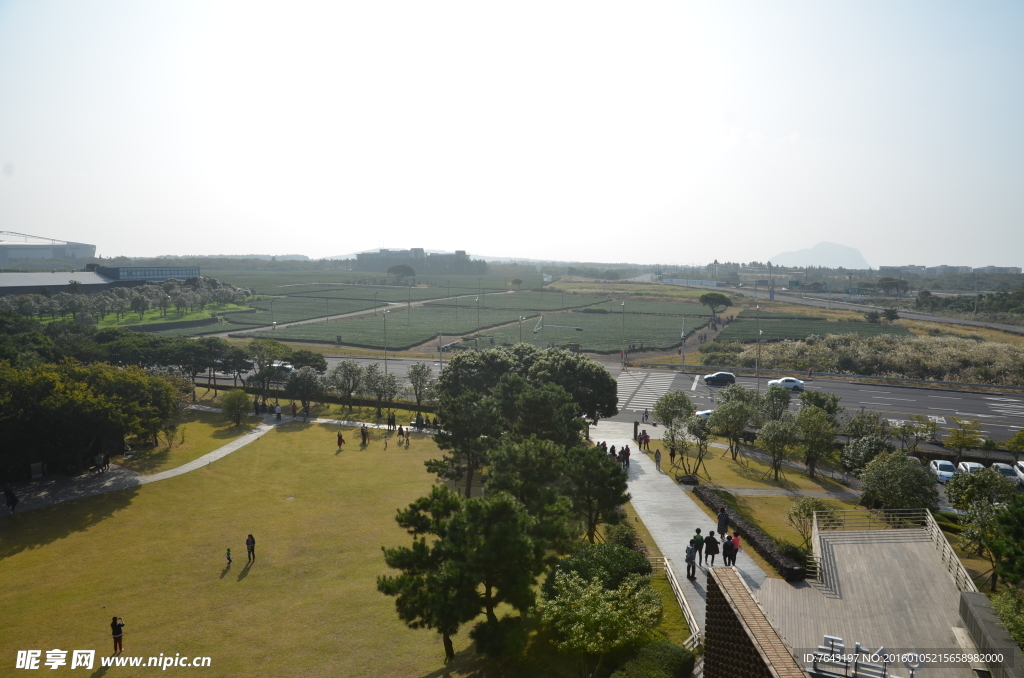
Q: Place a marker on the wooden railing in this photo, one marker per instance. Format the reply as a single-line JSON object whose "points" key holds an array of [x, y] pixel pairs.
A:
{"points": [[664, 564], [892, 519]]}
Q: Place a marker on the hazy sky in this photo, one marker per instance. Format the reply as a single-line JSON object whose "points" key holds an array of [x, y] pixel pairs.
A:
{"points": [[604, 131]]}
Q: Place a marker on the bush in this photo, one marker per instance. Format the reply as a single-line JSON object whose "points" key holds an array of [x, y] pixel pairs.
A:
{"points": [[611, 563], [661, 660], [1009, 606], [505, 638], [859, 452], [624, 535], [790, 569]]}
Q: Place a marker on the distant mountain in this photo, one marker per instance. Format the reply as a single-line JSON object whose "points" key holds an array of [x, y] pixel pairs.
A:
{"points": [[827, 254]]}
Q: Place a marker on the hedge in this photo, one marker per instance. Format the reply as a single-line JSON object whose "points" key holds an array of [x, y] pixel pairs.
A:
{"points": [[660, 660], [787, 567]]}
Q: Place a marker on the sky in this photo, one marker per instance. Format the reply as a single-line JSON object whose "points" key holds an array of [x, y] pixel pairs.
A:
{"points": [[648, 132]]}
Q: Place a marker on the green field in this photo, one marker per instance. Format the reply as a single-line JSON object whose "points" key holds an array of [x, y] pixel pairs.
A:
{"points": [[525, 301], [371, 292], [285, 282], [601, 332], [745, 331], [404, 329], [751, 314], [679, 308], [292, 309]]}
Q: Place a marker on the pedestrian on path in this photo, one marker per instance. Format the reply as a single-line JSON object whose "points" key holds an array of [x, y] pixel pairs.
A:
{"points": [[691, 557], [116, 629], [657, 460], [341, 439], [228, 556], [256, 406], [106, 462], [736, 543], [728, 551], [277, 410], [672, 458], [305, 412], [295, 409], [250, 548], [698, 542], [627, 456], [10, 499], [710, 549], [723, 521]]}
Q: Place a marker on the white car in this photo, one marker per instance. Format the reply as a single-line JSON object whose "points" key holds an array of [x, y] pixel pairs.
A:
{"points": [[1006, 470], [1019, 470], [942, 469], [791, 383], [704, 414], [970, 467]]}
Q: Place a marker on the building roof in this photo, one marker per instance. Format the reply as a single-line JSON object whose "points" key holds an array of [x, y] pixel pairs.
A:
{"points": [[9, 280]]}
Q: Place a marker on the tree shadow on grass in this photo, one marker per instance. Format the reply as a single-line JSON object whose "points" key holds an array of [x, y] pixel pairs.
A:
{"points": [[39, 527], [232, 432]]}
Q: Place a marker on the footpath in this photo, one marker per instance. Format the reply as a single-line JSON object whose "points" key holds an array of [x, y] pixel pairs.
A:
{"points": [[59, 488], [671, 516]]}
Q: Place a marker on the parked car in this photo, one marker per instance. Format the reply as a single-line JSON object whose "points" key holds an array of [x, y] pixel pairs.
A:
{"points": [[792, 383], [1006, 470], [720, 379], [942, 469], [1019, 470], [969, 466], [704, 414]]}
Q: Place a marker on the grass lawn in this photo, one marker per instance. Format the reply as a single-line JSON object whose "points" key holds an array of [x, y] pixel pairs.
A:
{"points": [[152, 316], [202, 432], [155, 556]]}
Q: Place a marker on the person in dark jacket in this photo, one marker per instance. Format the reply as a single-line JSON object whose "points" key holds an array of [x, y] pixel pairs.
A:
{"points": [[250, 548], [116, 626], [728, 551], [710, 549]]}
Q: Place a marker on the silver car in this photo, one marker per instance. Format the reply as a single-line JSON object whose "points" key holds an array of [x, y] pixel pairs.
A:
{"points": [[942, 469], [791, 383]]}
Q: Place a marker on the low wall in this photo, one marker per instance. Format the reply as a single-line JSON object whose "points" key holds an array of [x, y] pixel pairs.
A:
{"points": [[990, 635]]}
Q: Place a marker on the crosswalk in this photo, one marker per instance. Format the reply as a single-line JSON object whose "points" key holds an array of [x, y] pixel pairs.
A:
{"points": [[639, 391]]}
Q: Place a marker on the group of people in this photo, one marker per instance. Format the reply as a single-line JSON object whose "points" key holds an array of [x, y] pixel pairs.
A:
{"points": [[102, 462], [621, 456], [250, 549], [295, 411], [646, 419], [703, 549]]}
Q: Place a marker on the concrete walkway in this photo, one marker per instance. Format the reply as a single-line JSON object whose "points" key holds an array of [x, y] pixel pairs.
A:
{"points": [[59, 488], [671, 516]]}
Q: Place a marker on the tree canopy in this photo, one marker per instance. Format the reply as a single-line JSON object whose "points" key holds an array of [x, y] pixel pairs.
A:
{"points": [[716, 301]]}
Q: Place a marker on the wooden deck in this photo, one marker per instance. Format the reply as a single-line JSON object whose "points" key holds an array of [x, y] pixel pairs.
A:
{"points": [[883, 588]]}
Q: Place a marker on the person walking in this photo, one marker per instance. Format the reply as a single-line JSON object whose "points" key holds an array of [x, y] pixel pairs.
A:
{"points": [[710, 549], [277, 410], [256, 406], [698, 542], [672, 458], [657, 460], [305, 412], [250, 548], [341, 439], [627, 456], [728, 551], [736, 543], [645, 415], [117, 631], [228, 556], [10, 499], [295, 409], [691, 557], [723, 521]]}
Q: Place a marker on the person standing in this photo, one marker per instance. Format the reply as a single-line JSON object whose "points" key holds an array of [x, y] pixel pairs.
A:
{"points": [[277, 411], [736, 543], [691, 556], [228, 556], [10, 499], [305, 412], [710, 549], [698, 542], [657, 459], [627, 456], [250, 548], [295, 409], [341, 439], [723, 521], [116, 629], [672, 458], [728, 551]]}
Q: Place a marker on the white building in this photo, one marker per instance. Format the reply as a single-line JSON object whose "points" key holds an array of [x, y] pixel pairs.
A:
{"points": [[18, 246]]}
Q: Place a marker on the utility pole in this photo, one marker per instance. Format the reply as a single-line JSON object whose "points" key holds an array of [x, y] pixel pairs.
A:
{"points": [[975, 295], [408, 314], [757, 360], [623, 335], [326, 311], [521, 319], [478, 314], [440, 356], [385, 316], [682, 347], [273, 323]]}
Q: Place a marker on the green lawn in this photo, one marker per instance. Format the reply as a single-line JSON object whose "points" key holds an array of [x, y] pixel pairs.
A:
{"points": [[198, 433], [778, 330], [153, 316]]}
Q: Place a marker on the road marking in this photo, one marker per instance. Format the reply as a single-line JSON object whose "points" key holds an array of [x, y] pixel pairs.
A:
{"points": [[867, 390], [909, 400], [971, 414], [951, 409], [1012, 400], [945, 397], [937, 420], [879, 404], [694, 387]]}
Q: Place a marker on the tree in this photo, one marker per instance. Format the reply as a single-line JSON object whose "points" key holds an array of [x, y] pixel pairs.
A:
{"points": [[699, 431], [467, 423], [822, 399], [235, 362], [592, 621], [420, 376], [1007, 542], [816, 431], [775, 402], [859, 452], [264, 353], [591, 387], [596, 487], [140, 304], [895, 480], [303, 358], [382, 387], [1016, 444], [716, 301], [729, 420], [867, 423], [546, 412], [433, 590], [966, 436], [234, 404], [801, 516], [673, 407], [979, 494], [401, 271], [891, 314], [517, 283], [775, 438], [305, 385], [873, 316], [1009, 607], [346, 379]]}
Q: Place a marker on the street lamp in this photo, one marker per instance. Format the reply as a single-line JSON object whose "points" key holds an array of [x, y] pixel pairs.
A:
{"points": [[478, 314], [623, 351], [384, 315], [272, 312], [757, 359], [375, 303], [521, 319]]}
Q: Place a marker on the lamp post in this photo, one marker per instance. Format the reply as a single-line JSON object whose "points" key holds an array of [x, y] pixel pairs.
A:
{"points": [[757, 359], [521, 319], [272, 313], [375, 303], [327, 311], [623, 351], [478, 314], [384, 315], [408, 315]]}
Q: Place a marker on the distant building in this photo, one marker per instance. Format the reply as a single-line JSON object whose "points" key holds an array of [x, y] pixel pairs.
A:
{"points": [[421, 262], [998, 269], [18, 246], [945, 270], [903, 269], [93, 280]]}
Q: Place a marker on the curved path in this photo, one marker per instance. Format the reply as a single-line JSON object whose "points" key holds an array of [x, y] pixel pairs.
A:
{"points": [[59, 489]]}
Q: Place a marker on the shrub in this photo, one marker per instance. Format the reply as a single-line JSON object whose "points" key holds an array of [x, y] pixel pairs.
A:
{"points": [[505, 638], [1009, 606], [624, 535], [660, 660], [790, 569], [610, 563], [859, 452]]}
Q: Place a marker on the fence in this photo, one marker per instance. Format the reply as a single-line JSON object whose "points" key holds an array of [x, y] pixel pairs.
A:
{"points": [[663, 564], [889, 519]]}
